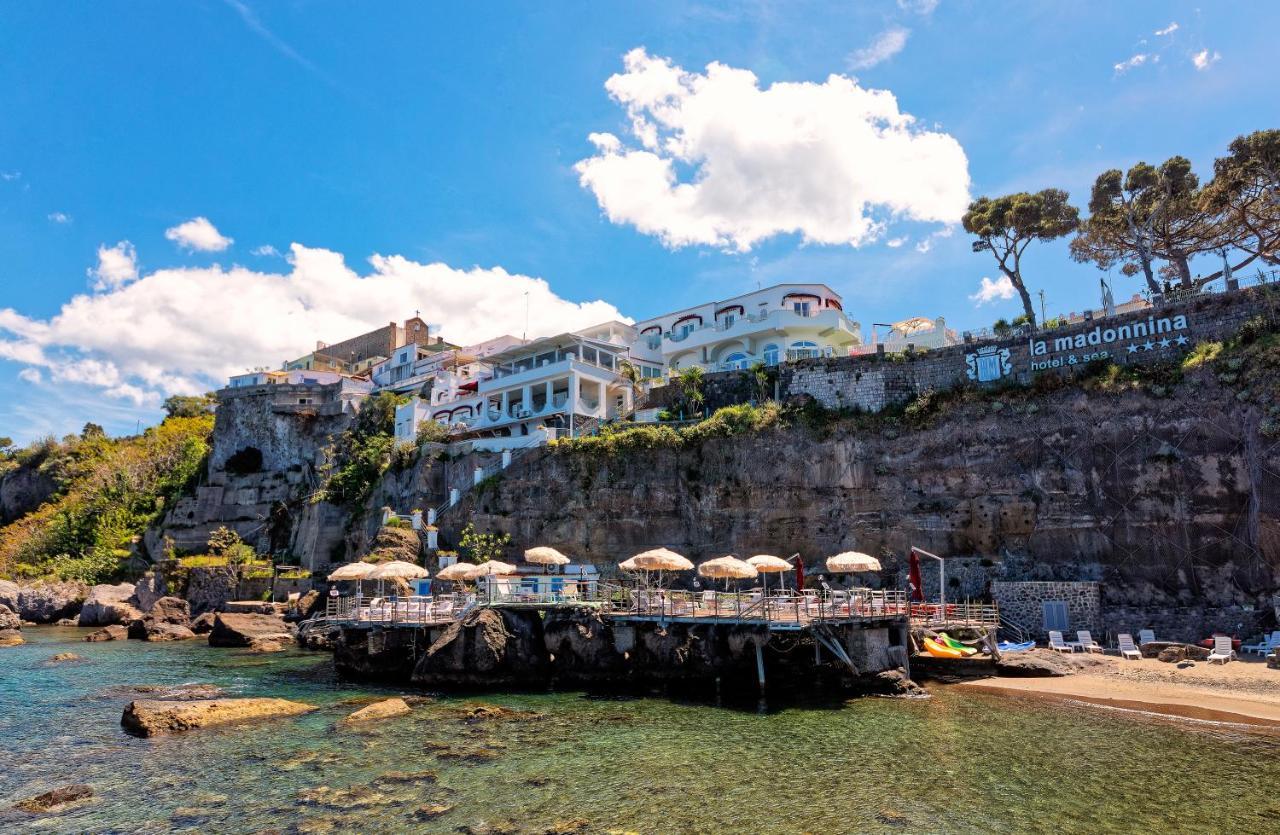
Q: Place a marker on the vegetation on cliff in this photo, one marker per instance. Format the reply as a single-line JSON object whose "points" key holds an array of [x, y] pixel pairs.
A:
{"points": [[365, 451], [623, 438], [107, 491]]}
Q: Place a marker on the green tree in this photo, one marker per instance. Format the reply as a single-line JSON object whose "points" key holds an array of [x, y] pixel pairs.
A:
{"points": [[185, 406], [1123, 212], [6, 445], [482, 547], [761, 379], [92, 430], [689, 381], [1245, 194], [631, 376], [378, 413], [225, 542], [1007, 225]]}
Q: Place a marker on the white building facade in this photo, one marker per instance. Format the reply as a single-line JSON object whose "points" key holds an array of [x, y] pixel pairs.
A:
{"points": [[776, 324]]}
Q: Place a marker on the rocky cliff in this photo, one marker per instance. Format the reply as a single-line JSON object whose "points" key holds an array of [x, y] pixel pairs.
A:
{"points": [[1166, 492]]}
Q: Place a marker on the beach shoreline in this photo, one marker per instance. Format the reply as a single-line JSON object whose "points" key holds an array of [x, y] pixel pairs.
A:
{"points": [[1242, 693]]}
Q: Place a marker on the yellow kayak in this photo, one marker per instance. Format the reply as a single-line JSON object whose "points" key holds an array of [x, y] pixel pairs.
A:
{"points": [[951, 643], [937, 650]]}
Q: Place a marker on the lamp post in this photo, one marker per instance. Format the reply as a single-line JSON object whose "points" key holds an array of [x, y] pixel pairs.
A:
{"points": [[942, 576]]}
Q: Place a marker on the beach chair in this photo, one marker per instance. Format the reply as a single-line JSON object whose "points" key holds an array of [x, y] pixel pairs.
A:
{"points": [[1086, 642], [1146, 636], [1057, 644], [839, 602], [1127, 649], [1222, 651], [442, 609], [708, 601], [1267, 645]]}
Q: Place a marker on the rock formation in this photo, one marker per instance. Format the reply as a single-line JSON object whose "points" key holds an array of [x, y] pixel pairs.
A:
{"points": [[107, 604], [10, 627], [489, 647], [50, 800], [113, 632], [151, 717], [234, 630], [49, 601], [385, 709]]}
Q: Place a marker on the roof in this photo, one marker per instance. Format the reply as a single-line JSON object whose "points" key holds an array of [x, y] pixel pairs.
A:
{"points": [[722, 302], [536, 346]]}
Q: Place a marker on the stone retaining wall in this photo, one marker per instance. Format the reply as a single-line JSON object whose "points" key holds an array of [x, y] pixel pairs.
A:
{"points": [[1023, 603]]}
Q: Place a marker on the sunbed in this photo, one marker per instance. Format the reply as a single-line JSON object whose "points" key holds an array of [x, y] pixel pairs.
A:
{"points": [[1086, 643], [1127, 649], [1056, 643], [1267, 645], [1146, 636]]}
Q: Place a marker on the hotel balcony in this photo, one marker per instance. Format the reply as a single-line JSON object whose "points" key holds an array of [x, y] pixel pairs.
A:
{"points": [[829, 324]]}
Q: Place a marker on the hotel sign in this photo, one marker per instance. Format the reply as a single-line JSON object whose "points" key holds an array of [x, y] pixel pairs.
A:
{"points": [[1103, 341], [990, 363]]}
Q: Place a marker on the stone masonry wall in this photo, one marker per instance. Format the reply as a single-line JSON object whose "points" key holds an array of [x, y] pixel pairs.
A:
{"points": [[1022, 603], [871, 383]]}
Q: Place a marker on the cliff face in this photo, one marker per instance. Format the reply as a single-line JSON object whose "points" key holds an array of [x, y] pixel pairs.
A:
{"points": [[22, 490], [1172, 498]]}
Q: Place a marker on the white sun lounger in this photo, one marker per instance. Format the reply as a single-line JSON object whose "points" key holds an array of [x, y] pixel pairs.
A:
{"points": [[1086, 643], [1056, 643], [1146, 636], [1127, 649], [1222, 651]]}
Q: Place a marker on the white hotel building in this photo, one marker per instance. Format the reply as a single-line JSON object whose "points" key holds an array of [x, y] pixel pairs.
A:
{"points": [[776, 324], [512, 393]]}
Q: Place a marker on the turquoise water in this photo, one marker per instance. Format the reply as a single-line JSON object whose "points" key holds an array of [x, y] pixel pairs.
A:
{"points": [[959, 762]]}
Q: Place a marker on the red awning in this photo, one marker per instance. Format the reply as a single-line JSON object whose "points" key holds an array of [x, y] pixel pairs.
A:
{"points": [[469, 386]]}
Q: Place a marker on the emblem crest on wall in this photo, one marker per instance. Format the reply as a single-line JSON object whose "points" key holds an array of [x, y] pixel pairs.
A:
{"points": [[988, 363]]}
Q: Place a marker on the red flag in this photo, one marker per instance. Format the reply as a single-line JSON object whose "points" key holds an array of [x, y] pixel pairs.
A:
{"points": [[913, 578], [799, 573]]}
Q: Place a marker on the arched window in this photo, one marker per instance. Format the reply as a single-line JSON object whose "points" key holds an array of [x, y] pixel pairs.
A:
{"points": [[736, 360], [803, 350], [771, 354]]}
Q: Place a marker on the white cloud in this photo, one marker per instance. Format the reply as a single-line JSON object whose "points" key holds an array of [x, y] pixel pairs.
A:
{"points": [[1205, 59], [31, 375], [989, 291], [117, 265], [10, 176], [198, 234], [1134, 61], [265, 250], [59, 217], [719, 161], [1168, 30], [886, 45], [185, 330], [920, 7], [894, 243]]}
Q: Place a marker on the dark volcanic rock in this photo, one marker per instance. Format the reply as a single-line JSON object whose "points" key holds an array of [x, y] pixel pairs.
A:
{"points": [[580, 644], [52, 799], [171, 610], [233, 630], [489, 647], [50, 602], [318, 635], [203, 624]]}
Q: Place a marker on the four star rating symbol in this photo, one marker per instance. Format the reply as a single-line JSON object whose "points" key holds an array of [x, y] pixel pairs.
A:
{"points": [[1165, 342]]}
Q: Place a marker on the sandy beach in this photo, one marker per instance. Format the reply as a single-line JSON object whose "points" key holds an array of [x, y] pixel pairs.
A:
{"points": [[1244, 692]]}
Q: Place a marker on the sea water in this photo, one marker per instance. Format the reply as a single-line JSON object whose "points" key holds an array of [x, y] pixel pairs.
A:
{"points": [[957, 762]]}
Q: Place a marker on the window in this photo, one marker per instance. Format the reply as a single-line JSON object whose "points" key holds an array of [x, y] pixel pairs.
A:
{"points": [[736, 360], [801, 307], [728, 320], [803, 351], [686, 329], [771, 354]]}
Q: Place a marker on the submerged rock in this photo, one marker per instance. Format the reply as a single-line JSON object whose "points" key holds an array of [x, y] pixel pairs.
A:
{"points": [[171, 610], [52, 799], [11, 638], [271, 643], [114, 632], [351, 798], [146, 629], [234, 630], [385, 709], [430, 811], [474, 714], [151, 717], [402, 777], [67, 656]]}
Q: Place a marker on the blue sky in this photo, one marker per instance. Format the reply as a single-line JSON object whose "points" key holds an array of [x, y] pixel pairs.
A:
{"points": [[446, 140]]}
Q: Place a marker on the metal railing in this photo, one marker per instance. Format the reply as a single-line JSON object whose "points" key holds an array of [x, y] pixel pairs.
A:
{"points": [[780, 608]]}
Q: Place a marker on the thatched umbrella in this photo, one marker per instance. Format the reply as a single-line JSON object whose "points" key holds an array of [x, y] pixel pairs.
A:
{"points": [[459, 572], [769, 564], [852, 561], [629, 564], [660, 560], [352, 571], [397, 569], [727, 568], [544, 555], [496, 568]]}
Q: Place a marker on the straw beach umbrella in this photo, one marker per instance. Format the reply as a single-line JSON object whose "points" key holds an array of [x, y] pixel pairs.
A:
{"points": [[459, 572], [660, 560], [397, 569], [496, 568], [543, 555], [852, 561], [352, 571], [727, 568], [769, 564]]}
